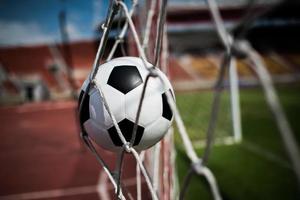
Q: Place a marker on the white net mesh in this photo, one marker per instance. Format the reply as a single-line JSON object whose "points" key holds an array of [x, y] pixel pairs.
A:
{"points": [[160, 166], [158, 174]]}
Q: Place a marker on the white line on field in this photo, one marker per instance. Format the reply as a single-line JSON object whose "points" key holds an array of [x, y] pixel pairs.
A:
{"points": [[46, 194], [102, 187], [218, 142], [249, 146], [254, 148], [45, 107], [51, 193]]}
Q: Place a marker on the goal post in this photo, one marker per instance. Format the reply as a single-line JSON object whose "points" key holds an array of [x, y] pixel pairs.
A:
{"points": [[235, 101]]}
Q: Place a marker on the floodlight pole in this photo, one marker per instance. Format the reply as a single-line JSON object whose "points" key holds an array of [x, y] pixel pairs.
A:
{"points": [[67, 51]]}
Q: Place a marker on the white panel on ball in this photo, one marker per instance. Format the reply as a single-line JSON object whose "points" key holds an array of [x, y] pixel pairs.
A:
{"points": [[154, 132], [115, 101], [151, 107], [99, 135], [98, 112]]}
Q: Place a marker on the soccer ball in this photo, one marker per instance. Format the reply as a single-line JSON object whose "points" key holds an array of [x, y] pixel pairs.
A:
{"points": [[121, 81]]}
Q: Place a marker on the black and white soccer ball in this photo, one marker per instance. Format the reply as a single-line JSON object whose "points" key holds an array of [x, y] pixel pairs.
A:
{"points": [[122, 80]]}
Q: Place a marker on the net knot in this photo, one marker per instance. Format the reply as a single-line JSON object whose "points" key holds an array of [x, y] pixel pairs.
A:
{"points": [[152, 72], [127, 147], [236, 47], [103, 26], [240, 49], [198, 166], [117, 2], [120, 39]]}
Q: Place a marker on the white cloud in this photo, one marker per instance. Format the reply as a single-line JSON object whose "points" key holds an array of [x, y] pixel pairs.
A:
{"points": [[98, 12], [14, 33], [74, 32]]}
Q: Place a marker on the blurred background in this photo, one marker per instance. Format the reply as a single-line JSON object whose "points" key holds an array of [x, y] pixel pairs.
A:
{"points": [[47, 49]]}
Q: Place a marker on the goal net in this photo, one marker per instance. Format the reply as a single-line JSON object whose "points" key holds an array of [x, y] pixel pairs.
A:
{"points": [[144, 36], [145, 33]]}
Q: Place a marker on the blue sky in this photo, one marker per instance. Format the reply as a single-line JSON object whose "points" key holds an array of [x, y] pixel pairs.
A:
{"points": [[27, 22], [36, 21]]}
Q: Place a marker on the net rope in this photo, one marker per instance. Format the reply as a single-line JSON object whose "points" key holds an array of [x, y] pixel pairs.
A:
{"points": [[127, 146], [198, 165], [241, 47]]}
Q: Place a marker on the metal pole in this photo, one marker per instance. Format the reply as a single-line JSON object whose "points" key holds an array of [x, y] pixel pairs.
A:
{"points": [[67, 51]]}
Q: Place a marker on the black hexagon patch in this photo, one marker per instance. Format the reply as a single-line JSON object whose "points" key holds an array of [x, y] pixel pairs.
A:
{"points": [[84, 115], [167, 112], [125, 78], [126, 127]]}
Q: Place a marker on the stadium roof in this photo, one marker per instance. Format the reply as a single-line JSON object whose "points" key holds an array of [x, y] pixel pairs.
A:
{"points": [[221, 3]]}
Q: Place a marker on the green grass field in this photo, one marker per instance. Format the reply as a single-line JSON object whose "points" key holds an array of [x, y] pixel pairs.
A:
{"points": [[258, 168]]}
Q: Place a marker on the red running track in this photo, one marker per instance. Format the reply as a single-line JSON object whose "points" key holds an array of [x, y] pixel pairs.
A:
{"points": [[41, 156]]}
